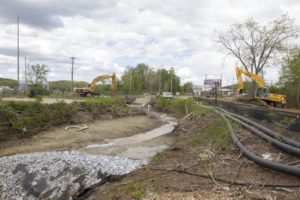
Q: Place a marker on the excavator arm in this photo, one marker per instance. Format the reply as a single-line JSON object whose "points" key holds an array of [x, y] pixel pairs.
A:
{"points": [[256, 78], [262, 92], [92, 87]]}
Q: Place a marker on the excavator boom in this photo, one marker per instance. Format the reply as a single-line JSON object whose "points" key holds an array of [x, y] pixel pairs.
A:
{"points": [[262, 93]]}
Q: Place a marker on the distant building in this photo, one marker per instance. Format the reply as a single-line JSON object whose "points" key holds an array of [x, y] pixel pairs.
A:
{"points": [[6, 89]]}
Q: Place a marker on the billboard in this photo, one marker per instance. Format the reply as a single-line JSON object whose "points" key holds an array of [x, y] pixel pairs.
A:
{"points": [[211, 82]]}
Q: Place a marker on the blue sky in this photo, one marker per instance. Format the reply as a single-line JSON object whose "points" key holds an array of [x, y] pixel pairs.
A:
{"points": [[107, 36]]}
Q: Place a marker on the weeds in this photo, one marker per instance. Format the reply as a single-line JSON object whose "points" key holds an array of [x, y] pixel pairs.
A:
{"points": [[216, 133], [31, 117], [131, 190], [177, 106]]}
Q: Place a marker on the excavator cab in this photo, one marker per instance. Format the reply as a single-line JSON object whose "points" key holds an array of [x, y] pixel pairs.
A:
{"points": [[263, 92]]}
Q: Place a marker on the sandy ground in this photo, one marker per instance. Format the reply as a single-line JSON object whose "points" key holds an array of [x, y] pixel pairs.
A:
{"points": [[45, 100], [60, 139]]}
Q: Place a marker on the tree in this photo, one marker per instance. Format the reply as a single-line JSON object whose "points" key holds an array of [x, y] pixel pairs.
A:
{"points": [[255, 46], [290, 75], [142, 78], [37, 74], [188, 87]]}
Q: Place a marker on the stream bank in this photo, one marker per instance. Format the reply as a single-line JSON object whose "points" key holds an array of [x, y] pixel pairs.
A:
{"points": [[62, 174]]}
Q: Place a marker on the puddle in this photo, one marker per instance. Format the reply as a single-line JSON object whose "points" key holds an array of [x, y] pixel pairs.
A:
{"points": [[162, 130]]}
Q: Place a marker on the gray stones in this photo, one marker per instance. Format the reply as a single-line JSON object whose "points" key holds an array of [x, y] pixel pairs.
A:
{"points": [[56, 175]]}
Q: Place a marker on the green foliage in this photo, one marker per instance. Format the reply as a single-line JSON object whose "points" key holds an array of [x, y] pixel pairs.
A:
{"points": [[35, 116], [289, 81], [38, 90], [129, 190], [177, 106], [99, 103], [188, 87], [145, 79], [216, 132], [37, 74], [290, 71]]}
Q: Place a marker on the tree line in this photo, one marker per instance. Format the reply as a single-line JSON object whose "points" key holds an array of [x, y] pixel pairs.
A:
{"points": [[135, 80]]}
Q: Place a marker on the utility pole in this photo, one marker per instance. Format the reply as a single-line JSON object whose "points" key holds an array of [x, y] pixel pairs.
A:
{"points": [[298, 91], [216, 93], [130, 81], [171, 82], [221, 80], [159, 80], [18, 59], [72, 74], [25, 76]]}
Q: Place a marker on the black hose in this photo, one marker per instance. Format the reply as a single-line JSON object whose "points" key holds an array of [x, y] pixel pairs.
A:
{"points": [[285, 147], [251, 156], [265, 129]]}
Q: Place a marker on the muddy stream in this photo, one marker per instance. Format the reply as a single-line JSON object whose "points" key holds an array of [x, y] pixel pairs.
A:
{"points": [[61, 174]]}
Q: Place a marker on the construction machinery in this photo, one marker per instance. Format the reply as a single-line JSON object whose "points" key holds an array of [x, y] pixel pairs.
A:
{"points": [[262, 93], [90, 89]]}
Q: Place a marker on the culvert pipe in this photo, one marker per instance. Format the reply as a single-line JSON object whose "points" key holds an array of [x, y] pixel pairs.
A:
{"points": [[251, 156]]}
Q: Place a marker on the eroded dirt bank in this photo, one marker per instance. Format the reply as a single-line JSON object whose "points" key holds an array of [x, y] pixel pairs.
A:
{"points": [[60, 139]]}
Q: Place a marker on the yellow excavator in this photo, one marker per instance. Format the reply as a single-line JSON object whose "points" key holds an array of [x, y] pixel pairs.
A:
{"points": [[90, 89], [263, 92]]}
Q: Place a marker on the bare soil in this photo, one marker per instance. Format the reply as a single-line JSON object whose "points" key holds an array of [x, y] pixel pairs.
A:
{"points": [[165, 177], [60, 139]]}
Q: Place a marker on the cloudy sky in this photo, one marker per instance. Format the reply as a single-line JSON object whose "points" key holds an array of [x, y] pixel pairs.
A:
{"points": [[108, 35]]}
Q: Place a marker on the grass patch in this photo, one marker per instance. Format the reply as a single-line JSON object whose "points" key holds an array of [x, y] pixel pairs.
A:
{"points": [[216, 133], [128, 191], [177, 106]]}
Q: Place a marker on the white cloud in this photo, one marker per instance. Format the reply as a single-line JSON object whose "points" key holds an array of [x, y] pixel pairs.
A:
{"points": [[107, 36]]}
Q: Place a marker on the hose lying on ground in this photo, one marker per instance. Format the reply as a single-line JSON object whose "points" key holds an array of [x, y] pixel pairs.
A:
{"points": [[283, 146], [264, 129], [251, 156]]}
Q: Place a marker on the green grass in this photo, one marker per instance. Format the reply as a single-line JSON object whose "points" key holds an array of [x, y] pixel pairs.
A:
{"points": [[132, 190], [176, 106], [216, 133]]}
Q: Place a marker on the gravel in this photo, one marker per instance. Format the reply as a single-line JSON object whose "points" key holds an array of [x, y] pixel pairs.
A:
{"points": [[57, 175]]}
